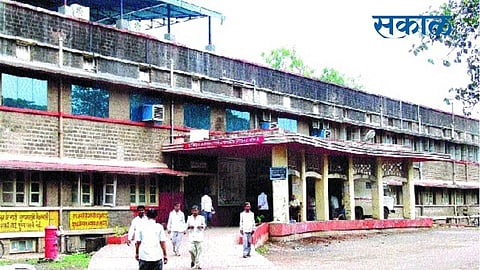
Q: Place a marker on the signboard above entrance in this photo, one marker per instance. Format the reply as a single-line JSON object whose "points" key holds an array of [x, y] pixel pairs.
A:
{"points": [[278, 173], [227, 142]]}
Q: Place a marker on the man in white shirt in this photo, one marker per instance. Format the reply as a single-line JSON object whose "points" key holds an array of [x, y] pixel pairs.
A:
{"points": [[263, 206], [176, 227], [134, 225], [247, 228], [207, 208], [195, 225], [150, 247], [334, 206]]}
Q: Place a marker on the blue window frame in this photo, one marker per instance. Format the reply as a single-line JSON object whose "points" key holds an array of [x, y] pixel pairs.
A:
{"points": [[136, 105], [287, 124], [196, 115], [24, 92], [237, 120], [90, 101]]}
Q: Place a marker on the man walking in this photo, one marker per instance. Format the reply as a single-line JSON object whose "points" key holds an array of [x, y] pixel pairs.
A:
{"points": [[135, 224], [247, 228], [207, 208], [176, 227], [195, 225], [150, 244]]}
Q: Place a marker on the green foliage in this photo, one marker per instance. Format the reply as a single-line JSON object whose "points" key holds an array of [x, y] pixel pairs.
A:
{"points": [[120, 230], [260, 218], [463, 44], [78, 260], [262, 250], [73, 261], [286, 59]]}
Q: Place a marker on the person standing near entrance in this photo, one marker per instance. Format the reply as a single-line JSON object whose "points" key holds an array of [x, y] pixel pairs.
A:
{"points": [[294, 208], [334, 207], [207, 208], [262, 203], [135, 224], [195, 225], [247, 228], [150, 247], [176, 227]]}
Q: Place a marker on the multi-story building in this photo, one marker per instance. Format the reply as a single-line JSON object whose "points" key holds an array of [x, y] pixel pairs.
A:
{"points": [[96, 120]]}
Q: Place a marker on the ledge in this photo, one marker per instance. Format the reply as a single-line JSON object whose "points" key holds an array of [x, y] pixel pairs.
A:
{"points": [[286, 229]]}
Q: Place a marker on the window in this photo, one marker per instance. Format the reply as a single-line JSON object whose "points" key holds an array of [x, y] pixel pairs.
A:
{"points": [[90, 101], [109, 190], [24, 92], [13, 188], [23, 245], [397, 193], [460, 197], [287, 124], [94, 189], [21, 188], [35, 189], [368, 185], [237, 120], [474, 198], [136, 105], [237, 91], [196, 116], [143, 190], [427, 196], [82, 190], [445, 197]]}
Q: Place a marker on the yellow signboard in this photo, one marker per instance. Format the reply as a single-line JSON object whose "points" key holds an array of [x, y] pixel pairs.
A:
{"points": [[86, 220], [27, 221]]}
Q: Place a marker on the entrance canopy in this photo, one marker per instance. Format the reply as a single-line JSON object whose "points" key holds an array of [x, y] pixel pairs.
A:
{"points": [[261, 142]]}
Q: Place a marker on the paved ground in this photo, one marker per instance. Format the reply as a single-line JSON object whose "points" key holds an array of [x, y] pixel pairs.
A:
{"points": [[220, 251], [438, 248]]}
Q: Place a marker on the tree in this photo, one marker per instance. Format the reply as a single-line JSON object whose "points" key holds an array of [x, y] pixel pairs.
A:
{"points": [[463, 44], [286, 59]]}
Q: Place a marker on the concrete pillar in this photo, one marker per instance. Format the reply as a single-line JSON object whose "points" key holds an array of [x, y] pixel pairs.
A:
{"points": [[408, 192], [303, 186], [377, 191], [280, 187], [321, 191], [349, 194]]}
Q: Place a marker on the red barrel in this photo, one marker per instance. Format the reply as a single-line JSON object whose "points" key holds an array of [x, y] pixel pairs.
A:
{"points": [[51, 246]]}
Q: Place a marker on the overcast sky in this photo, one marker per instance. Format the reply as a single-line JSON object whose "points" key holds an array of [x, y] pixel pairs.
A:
{"points": [[338, 34]]}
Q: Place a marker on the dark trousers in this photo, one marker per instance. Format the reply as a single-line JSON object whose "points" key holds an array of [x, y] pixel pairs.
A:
{"points": [[147, 265], [207, 216]]}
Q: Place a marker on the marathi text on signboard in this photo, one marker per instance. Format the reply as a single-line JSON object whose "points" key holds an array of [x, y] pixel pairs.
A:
{"points": [[86, 220], [278, 173], [27, 221], [227, 142]]}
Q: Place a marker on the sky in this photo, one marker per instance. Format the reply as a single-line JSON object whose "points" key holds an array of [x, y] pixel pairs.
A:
{"points": [[337, 34]]}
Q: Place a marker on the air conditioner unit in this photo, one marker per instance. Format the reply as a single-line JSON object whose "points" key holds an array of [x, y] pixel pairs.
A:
{"points": [[316, 124], [80, 11], [153, 112], [266, 116]]}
